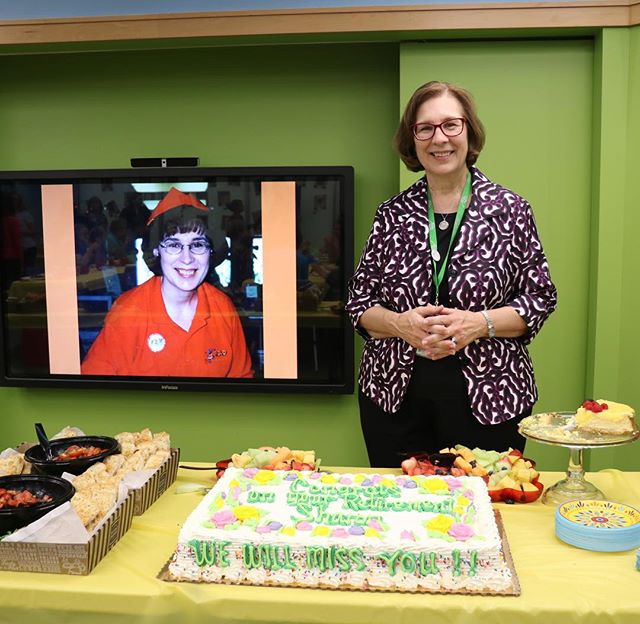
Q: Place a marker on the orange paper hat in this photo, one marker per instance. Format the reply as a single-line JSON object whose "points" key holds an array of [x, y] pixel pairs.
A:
{"points": [[173, 199]]}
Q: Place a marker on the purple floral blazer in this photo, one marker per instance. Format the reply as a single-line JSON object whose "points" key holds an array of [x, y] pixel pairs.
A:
{"points": [[497, 261]]}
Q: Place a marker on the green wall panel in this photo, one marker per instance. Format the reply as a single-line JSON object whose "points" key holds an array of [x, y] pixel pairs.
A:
{"points": [[280, 105], [534, 98]]}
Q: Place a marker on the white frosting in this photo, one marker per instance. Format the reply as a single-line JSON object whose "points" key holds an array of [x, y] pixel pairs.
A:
{"points": [[288, 514]]}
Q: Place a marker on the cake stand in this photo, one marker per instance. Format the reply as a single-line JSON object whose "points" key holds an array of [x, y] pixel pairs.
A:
{"points": [[558, 429]]}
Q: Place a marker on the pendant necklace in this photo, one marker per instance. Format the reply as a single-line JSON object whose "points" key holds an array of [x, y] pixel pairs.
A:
{"points": [[444, 224]]}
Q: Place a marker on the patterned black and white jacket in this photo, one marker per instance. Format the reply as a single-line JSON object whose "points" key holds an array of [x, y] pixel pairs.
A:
{"points": [[497, 260]]}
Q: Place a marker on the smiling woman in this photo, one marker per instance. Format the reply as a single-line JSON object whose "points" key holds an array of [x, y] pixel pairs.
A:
{"points": [[174, 324], [451, 287]]}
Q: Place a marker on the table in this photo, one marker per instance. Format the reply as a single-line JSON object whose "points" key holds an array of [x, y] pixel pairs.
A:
{"points": [[560, 583]]}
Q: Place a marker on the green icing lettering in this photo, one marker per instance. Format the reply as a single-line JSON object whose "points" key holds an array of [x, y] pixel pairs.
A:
{"points": [[473, 563], [426, 563], [223, 553], [391, 559], [408, 561], [316, 558], [355, 555], [209, 553], [456, 562], [342, 559], [255, 496], [250, 556]]}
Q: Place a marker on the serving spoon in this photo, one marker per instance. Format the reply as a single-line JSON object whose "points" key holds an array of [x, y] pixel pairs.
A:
{"points": [[44, 441]]}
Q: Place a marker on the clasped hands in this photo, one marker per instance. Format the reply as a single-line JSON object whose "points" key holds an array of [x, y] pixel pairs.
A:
{"points": [[439, 331]]}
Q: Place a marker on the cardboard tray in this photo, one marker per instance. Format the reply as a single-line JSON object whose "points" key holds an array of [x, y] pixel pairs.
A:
{"points": [[76, 559], [150, 492]]}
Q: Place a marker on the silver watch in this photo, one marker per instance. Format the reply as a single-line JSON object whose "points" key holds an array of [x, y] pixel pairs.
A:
{"points": [[491, 330]]}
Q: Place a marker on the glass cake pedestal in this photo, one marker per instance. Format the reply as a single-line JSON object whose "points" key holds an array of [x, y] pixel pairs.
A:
{"points": [[558, 429]]}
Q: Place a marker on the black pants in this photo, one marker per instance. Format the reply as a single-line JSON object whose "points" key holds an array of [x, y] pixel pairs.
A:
{"points": [[434, 414]]}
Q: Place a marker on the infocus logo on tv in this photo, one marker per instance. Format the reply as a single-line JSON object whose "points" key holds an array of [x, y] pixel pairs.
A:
{"points": [[169, 388]]}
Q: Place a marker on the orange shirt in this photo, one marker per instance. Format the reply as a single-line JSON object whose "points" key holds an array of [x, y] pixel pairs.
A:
{"points": [[139, 338]]}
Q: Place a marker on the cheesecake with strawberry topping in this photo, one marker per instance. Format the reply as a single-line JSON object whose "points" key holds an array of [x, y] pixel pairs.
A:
{"points": [[606, 417]]}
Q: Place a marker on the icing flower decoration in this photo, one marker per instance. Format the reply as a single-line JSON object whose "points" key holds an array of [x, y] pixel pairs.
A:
{"points": [[263, 529], [328, 478], [249, 473], [460, 531], [369, 532], [356, 530], [408, 535], [376, 478], [264, 476], [274, 525], [304, 526], [222, 518], [374, 524], [346, 481], [246, 512], [359, 478], [218, 503], [440, 524], [388, 483], [410, 484], [288, 530], [291, 476], [339, 532], [435, 486], [321, 530], [454, 484], [367, 483]]}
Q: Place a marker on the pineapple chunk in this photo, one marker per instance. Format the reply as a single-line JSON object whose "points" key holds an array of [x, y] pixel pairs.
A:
{"points": [[528, 487]]}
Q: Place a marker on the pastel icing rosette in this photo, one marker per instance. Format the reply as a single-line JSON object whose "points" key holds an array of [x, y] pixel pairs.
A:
{"points": [[369, 532], [328, 478], [410, 484], [263, 529], [440, 523], [359, 478], [315, 475], [408, 535], [461, 532], [288, 530], [264, 476], [246, 512], [274, 525], [367, 483], [339, 532], [374, 524], [454, 483], [435, 486], [304, 526], [249, 473], [321, 530], [389, 483], [222, 518], [346, 481], [356, 530], [292, 476]]}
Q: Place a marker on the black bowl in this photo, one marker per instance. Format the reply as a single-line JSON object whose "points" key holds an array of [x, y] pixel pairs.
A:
{"points": [[12, 518], [36, 457]]}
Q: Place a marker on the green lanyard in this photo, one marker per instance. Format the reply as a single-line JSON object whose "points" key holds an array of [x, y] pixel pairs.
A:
{"points": [[438, 276]]}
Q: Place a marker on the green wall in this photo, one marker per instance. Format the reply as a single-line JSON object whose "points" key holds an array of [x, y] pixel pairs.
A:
{"points": [[563, 126], [534, 98]]}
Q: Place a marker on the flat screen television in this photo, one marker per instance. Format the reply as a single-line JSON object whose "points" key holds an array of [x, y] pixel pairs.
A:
{"points": [[91, 299]]}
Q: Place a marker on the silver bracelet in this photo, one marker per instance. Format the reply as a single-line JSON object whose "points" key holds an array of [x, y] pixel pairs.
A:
{"points": [[491, 330]]}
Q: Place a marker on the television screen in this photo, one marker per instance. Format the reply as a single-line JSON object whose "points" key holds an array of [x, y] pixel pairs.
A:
{"points": [[178, 278]]}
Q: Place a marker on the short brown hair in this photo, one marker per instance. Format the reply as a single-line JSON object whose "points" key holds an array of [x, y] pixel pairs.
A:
{"points": [[403, 139]]}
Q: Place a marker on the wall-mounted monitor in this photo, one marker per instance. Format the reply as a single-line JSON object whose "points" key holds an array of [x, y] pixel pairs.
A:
{"points": [[177, 279]]}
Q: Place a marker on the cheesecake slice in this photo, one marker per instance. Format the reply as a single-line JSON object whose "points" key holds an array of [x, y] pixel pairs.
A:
{"points": [[606, 417]]}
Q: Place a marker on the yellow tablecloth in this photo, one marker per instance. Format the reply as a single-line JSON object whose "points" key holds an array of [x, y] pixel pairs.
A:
{"points": [[560, 583]]}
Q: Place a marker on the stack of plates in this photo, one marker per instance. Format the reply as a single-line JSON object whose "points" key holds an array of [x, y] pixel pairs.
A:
{"points": [[598, 525]]}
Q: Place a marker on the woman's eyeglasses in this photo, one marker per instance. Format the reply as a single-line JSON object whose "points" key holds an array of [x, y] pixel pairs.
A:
{"points": [[450, 128], [173, 248]]}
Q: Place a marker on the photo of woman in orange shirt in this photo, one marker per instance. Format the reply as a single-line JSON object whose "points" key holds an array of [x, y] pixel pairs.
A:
{"points": [[175, 324]]}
